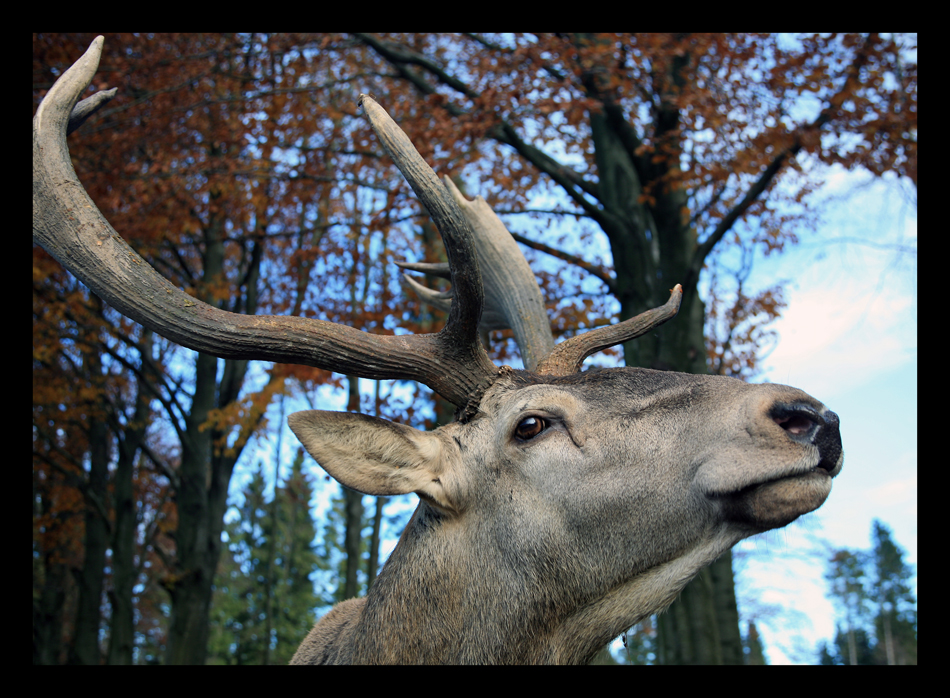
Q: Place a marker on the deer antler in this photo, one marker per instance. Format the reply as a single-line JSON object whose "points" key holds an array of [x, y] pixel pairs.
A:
{"points": [[512, 296], [568, 356], [513, 299], [71, 228]]}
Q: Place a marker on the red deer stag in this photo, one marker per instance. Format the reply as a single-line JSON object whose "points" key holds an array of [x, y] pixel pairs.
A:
{"points": [[560, 509]]}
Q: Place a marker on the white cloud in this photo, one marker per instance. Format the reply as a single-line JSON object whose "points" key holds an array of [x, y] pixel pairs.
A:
{"points": [[840, 340]]}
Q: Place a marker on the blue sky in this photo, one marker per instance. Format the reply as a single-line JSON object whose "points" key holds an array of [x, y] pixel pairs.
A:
{"points": [[848, 337]]}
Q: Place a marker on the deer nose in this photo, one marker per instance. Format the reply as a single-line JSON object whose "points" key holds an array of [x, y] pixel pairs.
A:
{"points": [[828, 441], [805, 424]]}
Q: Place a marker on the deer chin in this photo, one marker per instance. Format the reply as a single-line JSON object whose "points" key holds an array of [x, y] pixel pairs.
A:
{"points": [[778, 502], [774, 491]]}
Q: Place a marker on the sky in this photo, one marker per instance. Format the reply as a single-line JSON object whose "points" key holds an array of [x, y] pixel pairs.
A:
{"points": [[849, 338]]}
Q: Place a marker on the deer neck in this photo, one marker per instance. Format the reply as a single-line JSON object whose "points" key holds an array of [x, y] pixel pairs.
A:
{"points": [[434, 603]]}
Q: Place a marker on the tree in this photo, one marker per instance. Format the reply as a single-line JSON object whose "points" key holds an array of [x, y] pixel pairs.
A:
{"points": [[849, 647], [264, 600], [895, 622], [91, 462], [847, 579], [753, 644], [880, 609], [197, 201]]}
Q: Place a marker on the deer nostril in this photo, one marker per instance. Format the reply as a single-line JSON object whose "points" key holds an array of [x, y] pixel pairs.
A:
{"points": [[800, 422], [805, 424], [795, 424]]}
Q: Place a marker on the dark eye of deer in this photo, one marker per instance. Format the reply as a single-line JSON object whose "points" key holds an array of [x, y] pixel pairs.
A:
{"points": [[529, 427]]}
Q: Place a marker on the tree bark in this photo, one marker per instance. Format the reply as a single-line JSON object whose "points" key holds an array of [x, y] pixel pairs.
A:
{"points": [[85, 643]]}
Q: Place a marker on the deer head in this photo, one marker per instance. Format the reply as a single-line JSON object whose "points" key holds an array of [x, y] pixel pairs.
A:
{"points": [[561, 507]]}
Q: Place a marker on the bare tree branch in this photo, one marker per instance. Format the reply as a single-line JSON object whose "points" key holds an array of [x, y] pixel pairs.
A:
{"points": [[592, 269], [774, 167]]}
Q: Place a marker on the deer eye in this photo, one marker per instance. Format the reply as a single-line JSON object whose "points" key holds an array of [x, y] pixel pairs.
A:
{"points": [[529, 427]]}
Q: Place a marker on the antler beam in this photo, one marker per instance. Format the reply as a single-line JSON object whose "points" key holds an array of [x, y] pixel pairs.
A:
{"points": [[71, 228]]}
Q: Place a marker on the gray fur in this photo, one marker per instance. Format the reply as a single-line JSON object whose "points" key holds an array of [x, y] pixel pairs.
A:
{"points": [[542, 551]]}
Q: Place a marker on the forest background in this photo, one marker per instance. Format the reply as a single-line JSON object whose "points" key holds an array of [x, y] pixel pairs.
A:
{"points": [[241, 168]]}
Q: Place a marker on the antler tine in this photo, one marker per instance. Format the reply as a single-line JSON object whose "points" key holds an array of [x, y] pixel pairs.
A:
{"points": [[455, 230], [67, 223], [459, 338], [510, 285], [493, 318], [439, 269], [88, 107], [512, 296], [568, 356]]}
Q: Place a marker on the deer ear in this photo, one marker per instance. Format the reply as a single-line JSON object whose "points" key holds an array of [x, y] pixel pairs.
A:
{"points": [[375, 456]]}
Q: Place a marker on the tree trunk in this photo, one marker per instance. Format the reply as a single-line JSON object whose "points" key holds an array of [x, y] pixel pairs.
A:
{"points": [[124, 570], [205, 471], [353, 500], [85, 645], [197, 546]]}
